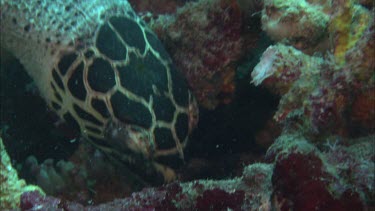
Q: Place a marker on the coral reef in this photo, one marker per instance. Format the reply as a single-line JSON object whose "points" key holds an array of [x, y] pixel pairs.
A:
{"points": [[324, 93], [204, 39], [348, 26], [299, 176], [302, 24], [252, 190], [306, 178], [355, 164], [282, 65], [11, 187]]}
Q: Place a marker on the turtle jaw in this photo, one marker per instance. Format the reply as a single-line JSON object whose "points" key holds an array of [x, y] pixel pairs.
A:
{"points": [[136, 142], [129, 138]]}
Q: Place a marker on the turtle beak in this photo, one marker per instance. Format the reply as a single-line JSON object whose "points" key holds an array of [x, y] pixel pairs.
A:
{"points": [[129, 138]]}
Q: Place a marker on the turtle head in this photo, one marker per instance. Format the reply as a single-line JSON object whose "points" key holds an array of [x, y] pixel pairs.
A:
{"points": [[134, 146], [104, 72]]}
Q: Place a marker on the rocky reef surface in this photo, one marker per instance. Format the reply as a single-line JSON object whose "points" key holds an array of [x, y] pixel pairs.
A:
{"points": [[297, 176]]}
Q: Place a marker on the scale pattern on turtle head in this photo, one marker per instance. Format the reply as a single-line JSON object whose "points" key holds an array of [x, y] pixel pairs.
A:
{"points": [[106, 74]]}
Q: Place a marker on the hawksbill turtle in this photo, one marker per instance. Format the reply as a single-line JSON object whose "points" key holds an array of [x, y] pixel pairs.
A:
{"points": [[104, 72]]}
